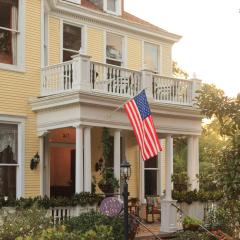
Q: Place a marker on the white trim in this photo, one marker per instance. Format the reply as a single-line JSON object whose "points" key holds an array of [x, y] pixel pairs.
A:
{"points": [[74, 1], [42, 55], [83, 36], [20, 122]]}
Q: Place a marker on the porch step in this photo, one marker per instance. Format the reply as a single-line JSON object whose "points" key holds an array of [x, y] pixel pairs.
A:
{"points": [[161, 235]]}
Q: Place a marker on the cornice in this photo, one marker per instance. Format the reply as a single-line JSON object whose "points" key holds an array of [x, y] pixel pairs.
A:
{"points": [[60, 7], [94, 98]]}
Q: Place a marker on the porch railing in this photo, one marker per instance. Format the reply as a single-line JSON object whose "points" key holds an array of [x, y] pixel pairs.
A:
{"points": [[172, 90], [83, 74], [113, 79]]}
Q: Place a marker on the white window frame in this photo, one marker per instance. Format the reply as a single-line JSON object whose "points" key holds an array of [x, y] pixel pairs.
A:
{"points": [[83, 37], [123, 60], [20, 61], [158, 169], [159, 55], [20, 122], [118, 7]]}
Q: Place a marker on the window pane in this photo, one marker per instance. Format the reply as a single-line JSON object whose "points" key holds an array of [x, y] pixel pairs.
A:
{"points": [[151, 57], [8, 181], [151, 163], [8, 13], [8, 143], [151, 182], [114, 46], [8, 47], [72, 37], [111, 5]]}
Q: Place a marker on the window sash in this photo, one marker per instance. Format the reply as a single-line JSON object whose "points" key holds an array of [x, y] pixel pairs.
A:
{"points": [[112, 6], [151, 56]]}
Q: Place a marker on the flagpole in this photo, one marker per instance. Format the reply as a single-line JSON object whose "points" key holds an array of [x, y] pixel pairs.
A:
{"points": [[120, 106]]}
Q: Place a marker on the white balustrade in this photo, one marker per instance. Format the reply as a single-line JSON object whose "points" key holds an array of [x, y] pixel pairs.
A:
{"points": [[172, 90], [106, 78], [57, 78], [113, 79]]}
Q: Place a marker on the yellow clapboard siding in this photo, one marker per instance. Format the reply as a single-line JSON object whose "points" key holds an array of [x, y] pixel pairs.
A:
{"points": [[54, 40], [95, 44], [17, 87], [134, 47], [166, 60]]}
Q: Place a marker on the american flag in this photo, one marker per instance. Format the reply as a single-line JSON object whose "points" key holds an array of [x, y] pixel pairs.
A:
{"points": [[139, 114]]}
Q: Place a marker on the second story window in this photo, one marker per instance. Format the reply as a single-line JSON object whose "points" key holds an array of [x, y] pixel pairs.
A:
{"points": [[111, 5], [114, 49], [8, 31], [72, 41], [151, 57]]}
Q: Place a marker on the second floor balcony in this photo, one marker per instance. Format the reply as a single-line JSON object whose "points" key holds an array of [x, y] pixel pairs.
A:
{"points": [[83, 74]]}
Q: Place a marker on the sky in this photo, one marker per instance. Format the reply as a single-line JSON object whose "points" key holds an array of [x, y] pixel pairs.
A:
{"points": [[210, 30]]}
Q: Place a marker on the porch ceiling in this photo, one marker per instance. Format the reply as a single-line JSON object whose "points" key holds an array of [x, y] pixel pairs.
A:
{"points": [[96, 109]]}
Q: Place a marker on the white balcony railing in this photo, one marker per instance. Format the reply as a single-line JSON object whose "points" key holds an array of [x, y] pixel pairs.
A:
{"points": [[113, 79], [83, 74], [172, 90]]}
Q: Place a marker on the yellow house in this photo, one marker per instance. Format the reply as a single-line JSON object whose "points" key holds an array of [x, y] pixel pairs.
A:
{"points": [[65, 67]]}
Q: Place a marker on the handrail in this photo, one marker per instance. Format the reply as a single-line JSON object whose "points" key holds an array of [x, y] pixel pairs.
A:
{"points": [[57, 65], [115, 66], [142, 224], [172, 78], [200, 225]]}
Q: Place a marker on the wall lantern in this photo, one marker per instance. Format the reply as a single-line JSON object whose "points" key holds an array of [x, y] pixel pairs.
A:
{"points": [[35, 161]]}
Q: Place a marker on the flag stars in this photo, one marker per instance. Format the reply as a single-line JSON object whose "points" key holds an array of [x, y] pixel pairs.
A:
{"points": [[142, 104]]}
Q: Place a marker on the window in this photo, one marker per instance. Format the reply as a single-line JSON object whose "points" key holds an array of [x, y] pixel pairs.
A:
{"points": [[8, 159], [111, 5], [8, 31], [151, 56], [114, 49], [152, 176], [72, 41]]}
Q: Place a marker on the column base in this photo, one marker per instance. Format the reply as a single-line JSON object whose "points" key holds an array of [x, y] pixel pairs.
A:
{"points": [[168, 216]]}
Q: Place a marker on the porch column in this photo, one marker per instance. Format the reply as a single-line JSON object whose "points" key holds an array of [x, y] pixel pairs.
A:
{"points": [[79, 159], [87, 160], [117, 154], [41, 163], [168, 211], [193, 162]]}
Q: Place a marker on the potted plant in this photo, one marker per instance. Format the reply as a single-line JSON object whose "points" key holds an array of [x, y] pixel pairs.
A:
{"points": [[191, 224]]}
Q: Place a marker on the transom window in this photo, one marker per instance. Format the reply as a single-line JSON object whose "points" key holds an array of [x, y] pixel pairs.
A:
{"points": [[152, 176], [8, 159], [114, 49], [8, 31], [72, 41], [151, 57]]}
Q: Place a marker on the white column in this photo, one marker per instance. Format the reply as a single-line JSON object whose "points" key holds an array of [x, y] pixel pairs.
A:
{"points": [[117, 154], [42, 163], [87, 160], [169, 167], [79, 160], [193, 162], [168, 211]]}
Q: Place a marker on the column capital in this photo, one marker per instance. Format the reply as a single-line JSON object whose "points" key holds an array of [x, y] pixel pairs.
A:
{"points": [[42, 134], [77, 125]]}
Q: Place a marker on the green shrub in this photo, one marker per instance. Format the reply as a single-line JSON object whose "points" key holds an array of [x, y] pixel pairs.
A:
{"points": [[89, 221], [24, 223], [189, 235]]}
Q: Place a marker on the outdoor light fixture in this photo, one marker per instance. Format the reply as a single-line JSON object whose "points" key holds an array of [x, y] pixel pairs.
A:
{"points": [[35, 161], [125, 175], [125, 170]]}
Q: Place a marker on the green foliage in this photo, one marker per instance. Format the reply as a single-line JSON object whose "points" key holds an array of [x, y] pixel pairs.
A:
{"points": [[189, 235], [106, 143], [89, 221], [24, 223], [180, 181], [202, 196], [81, 199], [191, 221], [180, 155], [178, 72]]}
